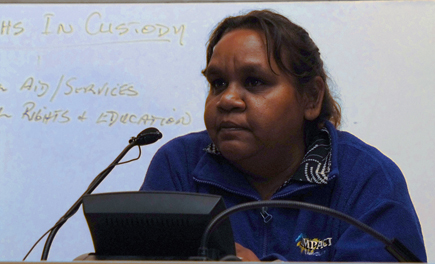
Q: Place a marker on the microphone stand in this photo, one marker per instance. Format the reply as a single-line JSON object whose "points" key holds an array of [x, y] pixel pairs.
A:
{"points": [[100, 177]]}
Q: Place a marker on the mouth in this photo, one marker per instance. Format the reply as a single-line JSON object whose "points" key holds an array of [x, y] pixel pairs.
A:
{"points": [[230, 126]]}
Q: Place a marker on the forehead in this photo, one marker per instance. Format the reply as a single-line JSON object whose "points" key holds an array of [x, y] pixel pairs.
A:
{"points": [[245, 46], [240, 44], [243, 35], [239, 40]]}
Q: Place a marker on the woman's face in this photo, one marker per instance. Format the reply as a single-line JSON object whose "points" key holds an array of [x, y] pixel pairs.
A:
{"points": [[251, 113]]}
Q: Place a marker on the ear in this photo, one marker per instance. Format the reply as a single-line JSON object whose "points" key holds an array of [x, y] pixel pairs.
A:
{"points": [[314, 98]]}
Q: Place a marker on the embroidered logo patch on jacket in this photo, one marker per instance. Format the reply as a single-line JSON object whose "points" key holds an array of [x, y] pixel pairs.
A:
{"points": [[313, 246]]}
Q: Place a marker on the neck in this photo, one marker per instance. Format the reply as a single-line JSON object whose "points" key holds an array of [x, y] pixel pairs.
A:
{"points": [[269, 172]]}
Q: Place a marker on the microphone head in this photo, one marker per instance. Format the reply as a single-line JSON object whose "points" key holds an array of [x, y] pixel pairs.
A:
{"points": [[147, 136]]}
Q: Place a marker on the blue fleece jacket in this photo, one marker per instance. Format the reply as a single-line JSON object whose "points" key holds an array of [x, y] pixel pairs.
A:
{"points": [[362, 183]]}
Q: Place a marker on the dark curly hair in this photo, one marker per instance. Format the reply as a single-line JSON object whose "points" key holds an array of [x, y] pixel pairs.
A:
{"points": [[294, 52]]}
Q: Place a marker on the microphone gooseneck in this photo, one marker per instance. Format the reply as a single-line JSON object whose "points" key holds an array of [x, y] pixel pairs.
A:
{"points": [[147, 136], [394, 247]]}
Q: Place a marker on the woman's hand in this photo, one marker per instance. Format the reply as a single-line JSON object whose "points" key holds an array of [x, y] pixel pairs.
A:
{"points": [[245, 254]]}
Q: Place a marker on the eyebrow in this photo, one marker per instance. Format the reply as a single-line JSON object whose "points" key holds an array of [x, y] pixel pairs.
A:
{"points": [[212, 70], [253, 68]]}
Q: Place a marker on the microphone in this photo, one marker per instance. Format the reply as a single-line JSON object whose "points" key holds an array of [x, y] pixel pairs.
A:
{"points": [[147, 136], [394, 246]]}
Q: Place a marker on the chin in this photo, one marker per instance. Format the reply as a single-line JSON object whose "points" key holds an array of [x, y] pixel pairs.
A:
{"points": [[235, 153]]}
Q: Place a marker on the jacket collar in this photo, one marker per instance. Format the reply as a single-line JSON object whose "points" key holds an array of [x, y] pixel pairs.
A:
{"points": [[318, 166]]}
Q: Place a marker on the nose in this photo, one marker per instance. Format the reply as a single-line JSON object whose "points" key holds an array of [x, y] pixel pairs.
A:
{"points": [[231, 99]]}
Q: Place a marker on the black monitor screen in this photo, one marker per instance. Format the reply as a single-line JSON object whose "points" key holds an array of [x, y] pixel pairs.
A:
{"points": [[155, 225]]}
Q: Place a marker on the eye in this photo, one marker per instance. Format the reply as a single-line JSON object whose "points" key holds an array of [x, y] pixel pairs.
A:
{"points": [[251, 82], [218, 85]]}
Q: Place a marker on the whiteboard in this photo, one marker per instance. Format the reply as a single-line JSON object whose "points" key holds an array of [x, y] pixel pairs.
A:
{"points": [[78, 80]]}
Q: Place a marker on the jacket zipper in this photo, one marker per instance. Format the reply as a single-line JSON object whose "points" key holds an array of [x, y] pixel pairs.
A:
{"points": [[266, 216]]}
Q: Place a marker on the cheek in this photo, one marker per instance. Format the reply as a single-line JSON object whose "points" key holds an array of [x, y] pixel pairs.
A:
{"points": [[283, 114], [210, 123], [209, 114]]}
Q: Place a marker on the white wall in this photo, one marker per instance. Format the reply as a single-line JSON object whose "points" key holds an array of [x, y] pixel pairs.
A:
{"points": [[380, 56]]}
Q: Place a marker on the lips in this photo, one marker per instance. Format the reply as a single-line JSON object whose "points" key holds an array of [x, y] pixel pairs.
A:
{"points": [[230, 126]]}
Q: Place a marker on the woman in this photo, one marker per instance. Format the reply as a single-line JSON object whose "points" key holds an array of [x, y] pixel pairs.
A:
{"points": [[271, 134]]}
